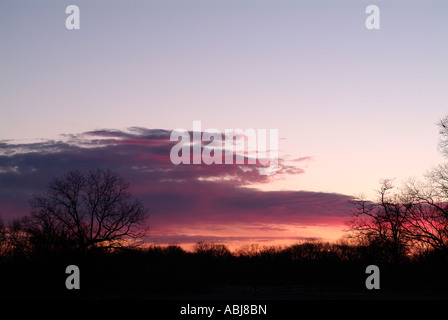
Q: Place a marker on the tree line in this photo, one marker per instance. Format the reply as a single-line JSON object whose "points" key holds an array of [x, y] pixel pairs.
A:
{"points": [[93, 221]]}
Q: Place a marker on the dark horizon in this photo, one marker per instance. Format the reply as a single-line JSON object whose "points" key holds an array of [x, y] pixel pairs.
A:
{"points": [[224, 150]]}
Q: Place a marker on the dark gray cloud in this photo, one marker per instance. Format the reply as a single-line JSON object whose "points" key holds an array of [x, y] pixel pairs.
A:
{"points": [[176, 195]]}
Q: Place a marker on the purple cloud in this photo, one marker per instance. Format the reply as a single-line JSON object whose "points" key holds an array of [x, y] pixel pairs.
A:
{"points": [[178, 196]]}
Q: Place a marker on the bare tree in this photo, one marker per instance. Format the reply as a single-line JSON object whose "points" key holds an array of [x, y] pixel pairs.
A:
{"points": [[428, 218], [3, 237], [81, 211], [428, 199], [211, 249], [382, 223], [443, 131]]}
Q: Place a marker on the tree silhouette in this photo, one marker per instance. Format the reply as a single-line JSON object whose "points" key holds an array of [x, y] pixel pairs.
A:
{"points": [[443, 131], [428, 214], [3, 237], [383, 222], [416, 216], [211, 249], [83, 211], [428, 199]]}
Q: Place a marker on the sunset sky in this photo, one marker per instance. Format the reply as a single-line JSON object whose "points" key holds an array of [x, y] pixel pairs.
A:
{"points": [[351, 105]]}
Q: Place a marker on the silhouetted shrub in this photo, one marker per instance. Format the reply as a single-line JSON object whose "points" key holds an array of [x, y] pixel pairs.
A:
{"points": [[211, 249]]}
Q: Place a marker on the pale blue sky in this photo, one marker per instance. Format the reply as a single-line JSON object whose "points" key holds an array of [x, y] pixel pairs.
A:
{"points": [[363, 103]]}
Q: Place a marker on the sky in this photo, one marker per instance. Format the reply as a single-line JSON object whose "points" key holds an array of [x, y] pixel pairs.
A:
{"points": [[351, 105]]}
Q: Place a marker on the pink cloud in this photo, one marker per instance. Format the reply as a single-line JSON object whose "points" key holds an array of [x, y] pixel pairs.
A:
{"points": [[179, 197]]}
